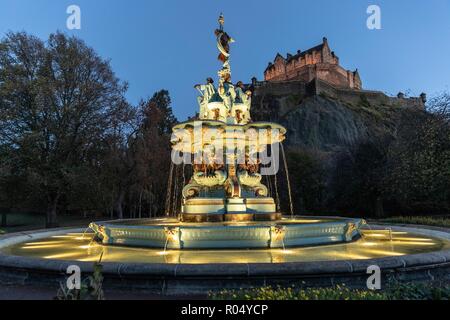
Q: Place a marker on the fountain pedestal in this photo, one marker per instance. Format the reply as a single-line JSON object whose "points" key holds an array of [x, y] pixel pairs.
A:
{"points": [[233, 209]]}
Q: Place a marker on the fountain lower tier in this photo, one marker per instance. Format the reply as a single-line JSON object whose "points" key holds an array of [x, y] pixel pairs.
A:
{"points": [[171, 234]]}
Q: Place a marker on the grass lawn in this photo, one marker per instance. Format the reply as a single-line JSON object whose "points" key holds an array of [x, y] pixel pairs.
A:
{"points": [[17, 222], [425, 220]]}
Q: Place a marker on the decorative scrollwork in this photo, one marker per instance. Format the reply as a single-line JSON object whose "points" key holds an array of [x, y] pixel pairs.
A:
{"points": [[217, 179], [349, 231], [191, 190]]}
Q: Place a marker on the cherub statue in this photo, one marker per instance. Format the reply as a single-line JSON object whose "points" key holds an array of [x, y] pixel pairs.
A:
{"points": [[228, 94], [243, 98], [208, 91]]}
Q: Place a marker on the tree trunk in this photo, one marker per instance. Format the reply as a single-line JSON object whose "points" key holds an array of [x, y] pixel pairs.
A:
{"points": [[119, 203], [140, 204], [379, 210], [111, 207], [52, 219], [4, 219]]}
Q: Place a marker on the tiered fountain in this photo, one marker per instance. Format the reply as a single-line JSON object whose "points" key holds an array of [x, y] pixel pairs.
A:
{"points": [[225, 204]]}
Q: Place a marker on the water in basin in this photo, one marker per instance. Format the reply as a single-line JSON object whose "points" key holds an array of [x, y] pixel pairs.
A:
{"points": [[374, 244]]}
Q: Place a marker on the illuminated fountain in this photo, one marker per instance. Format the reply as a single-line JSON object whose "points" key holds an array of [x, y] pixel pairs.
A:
{"points": [[225, 204]]}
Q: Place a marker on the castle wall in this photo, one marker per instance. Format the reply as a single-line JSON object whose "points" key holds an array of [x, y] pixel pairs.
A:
{"points": [[320, 87], [334, 74], [281, 88], [369, 96]]}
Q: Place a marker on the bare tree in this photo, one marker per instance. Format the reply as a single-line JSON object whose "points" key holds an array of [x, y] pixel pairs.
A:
{"points": [[57, 101]]}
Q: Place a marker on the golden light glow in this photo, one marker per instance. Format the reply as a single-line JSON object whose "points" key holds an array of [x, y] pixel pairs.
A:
{"points": [[44, 246], [63, 237], [413, 239], [63, 255], [385, 253], [415, 243], [308, 221], [374, 244], [44, 243], [85, 247], [376, 235], [349, 255], [369, 244]]}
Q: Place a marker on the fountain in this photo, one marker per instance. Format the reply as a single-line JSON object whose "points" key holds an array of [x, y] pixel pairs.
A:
{"points": [[225, 203]]}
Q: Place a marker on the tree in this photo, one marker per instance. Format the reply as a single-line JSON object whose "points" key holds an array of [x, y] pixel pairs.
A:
{"points": [[307, 176], [136, 162], [158, 111], [407, 172], [359, 182], [151, 151], [58, 100], [420, 160]]}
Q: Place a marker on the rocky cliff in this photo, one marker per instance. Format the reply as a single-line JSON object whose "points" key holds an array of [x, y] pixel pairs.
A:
{"points": [[323, 122]]}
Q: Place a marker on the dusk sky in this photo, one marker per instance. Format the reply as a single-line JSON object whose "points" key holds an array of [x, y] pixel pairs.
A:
{"points": [[170, 43]]}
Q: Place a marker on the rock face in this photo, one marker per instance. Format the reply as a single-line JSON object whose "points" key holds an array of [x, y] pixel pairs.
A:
{"points": [[314, 123], [325, 122]]}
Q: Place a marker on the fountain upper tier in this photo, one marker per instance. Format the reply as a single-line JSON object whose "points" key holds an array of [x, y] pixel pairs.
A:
{"points": [[192, 136]]}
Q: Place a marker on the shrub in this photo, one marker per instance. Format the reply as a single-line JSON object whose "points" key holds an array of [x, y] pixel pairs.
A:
{"points": [[394, 291]]}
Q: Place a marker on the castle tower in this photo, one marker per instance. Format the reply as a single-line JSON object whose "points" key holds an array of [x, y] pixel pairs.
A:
{"points": [[319, 62]]}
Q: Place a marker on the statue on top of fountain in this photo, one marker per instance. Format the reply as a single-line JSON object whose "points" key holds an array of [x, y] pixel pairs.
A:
{"points": [[209, 93], [228, 103]]}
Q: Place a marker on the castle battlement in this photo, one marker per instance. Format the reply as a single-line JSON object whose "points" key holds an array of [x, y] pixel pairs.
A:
{"points": [[319, 62], [318, 87]]}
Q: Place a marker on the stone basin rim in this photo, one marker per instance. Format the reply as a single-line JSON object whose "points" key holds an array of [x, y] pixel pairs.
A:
{"points": [[429, 260], [229, 225], [216, 235]]}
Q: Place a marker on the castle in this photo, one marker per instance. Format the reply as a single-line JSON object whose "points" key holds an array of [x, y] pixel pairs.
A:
{"points": [[315, 63], [317, 71]]}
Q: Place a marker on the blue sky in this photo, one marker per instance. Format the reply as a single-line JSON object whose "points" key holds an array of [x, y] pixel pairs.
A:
{"points": [[170, 43]]}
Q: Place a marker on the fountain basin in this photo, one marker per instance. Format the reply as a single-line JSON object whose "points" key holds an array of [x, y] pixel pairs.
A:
{"points": [[171, 234]]}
